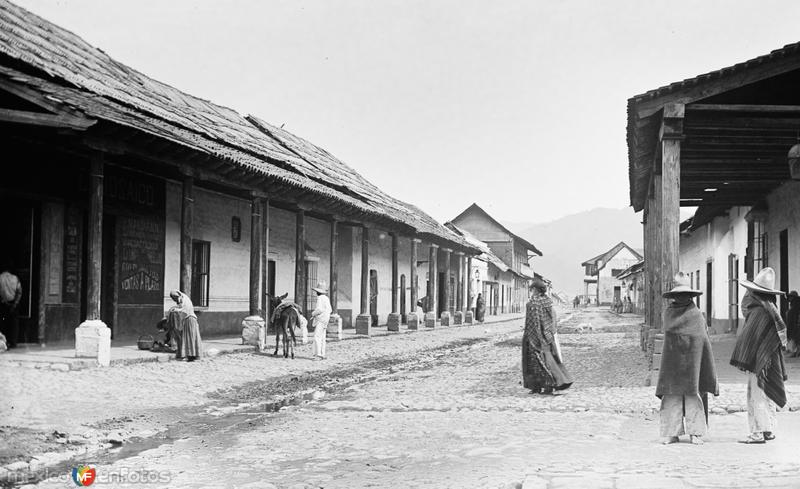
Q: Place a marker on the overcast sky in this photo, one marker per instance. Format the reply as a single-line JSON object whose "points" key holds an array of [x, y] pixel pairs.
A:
{"points": [[516, 105]]}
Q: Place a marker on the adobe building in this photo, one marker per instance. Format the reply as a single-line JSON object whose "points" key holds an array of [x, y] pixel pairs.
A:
{"points": [[505, 285], [601, 273], [123, 188]]}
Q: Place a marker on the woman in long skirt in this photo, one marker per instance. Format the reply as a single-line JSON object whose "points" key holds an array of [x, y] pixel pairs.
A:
{"points": [[542, 368], [187, 327]]}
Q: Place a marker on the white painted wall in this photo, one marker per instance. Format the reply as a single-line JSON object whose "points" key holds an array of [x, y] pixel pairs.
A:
{"points": [[784, 213]]}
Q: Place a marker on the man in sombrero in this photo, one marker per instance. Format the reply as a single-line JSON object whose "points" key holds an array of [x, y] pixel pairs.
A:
{"points": [[687, 371], [758, 352]]}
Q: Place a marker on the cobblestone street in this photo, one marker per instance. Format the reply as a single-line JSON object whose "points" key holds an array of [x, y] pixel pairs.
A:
{"points": [[446, 409]]}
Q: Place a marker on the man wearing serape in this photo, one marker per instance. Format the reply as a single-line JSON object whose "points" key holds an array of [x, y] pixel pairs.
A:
{"points": [[758, 352], [687, 366]]}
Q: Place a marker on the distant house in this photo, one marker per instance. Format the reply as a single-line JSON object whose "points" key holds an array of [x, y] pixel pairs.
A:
{"points": [[632, 283], [505, 287], [602, 271]]}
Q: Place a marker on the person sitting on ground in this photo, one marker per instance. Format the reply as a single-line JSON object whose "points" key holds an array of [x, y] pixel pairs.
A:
{"points": [[182, 319], [687, 371]]}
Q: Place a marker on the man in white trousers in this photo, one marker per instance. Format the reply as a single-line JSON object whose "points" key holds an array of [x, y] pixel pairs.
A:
{"points": [[319, 319]]}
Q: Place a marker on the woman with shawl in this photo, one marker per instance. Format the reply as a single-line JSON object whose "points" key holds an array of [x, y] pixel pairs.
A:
{"points": [[758, 352], [480, 308], [793, 324], [542, 367], [687, 371], [183, 320]]}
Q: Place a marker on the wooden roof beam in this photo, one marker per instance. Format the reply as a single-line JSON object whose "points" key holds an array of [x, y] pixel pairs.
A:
{"points": [[47, 120], [756, 108]]}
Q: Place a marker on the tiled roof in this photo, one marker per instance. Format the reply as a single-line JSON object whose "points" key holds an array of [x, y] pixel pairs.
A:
{"points": [[476, 208], [608, 255], [635, 268], [61, 65]]}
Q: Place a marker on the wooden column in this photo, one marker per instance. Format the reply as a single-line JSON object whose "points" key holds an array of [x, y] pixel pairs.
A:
{"points": [[413, 319], [446, 316], [657, 288], [94, 266], [364, 319], [300, 260], [671, 136], [395, 274], [333, 290], [393, 321], [458, 315], [256, 206], [433, 290], [187, 227], [469, 314], [265, 261]]}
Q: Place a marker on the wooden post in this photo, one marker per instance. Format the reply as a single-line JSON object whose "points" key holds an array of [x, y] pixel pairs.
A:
{"points": [[364, 319], [93, 337], [413, 318], [300, 260], [256, 205], [393, 322], [446, 316], [94, 267], [433, 290], [658, 301], [671, 136], [333, 291], [334, 331], [458, 314], [187, 221], [469, 314], [265, 261]]}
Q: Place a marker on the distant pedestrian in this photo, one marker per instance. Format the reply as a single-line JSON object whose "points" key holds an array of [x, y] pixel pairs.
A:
{"points": [[758, 351], [576, 302], [543, 370], [182, 318], [10, 295], [320, 317], [793, 324], [687, 371], [480, 308]]}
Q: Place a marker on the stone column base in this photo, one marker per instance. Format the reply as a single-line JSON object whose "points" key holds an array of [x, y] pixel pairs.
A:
{"points": [[254, 332], [93, 340], [458, 318], [334, 328], [393, 322], [468, 318], [446, 318], [430, 319], [364, 324], [413, 320]]}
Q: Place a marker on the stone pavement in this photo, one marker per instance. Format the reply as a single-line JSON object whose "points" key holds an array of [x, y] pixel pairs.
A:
{"points": [[50, 414], [458, 417]]}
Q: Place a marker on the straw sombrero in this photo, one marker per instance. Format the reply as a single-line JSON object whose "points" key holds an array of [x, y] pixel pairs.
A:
{"points": [[681, 286], [321, 288], [764, 282]]}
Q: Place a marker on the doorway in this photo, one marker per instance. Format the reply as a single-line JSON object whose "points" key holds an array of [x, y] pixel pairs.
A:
{"points": [[733, 293], [709, 291], [784, 268], [20, 256], [373, 296], [402, 293]]}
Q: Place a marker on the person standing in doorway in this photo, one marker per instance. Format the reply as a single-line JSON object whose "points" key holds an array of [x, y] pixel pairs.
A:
{"points": [[480, 308], [793, 324], [10, 295], [758, 351], [687, 366], [320, 317]]}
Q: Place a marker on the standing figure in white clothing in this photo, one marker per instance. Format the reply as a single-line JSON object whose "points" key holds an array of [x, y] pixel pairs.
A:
{"points": [[320, 317]]}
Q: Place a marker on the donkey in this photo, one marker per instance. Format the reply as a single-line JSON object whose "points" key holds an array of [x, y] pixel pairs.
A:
{"points": [[284, 323]]}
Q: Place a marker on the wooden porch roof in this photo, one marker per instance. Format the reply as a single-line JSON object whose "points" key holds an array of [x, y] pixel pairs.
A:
{"points": [[738, 125]]}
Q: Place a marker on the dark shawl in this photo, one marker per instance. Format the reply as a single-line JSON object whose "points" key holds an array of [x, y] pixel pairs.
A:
{"points": [[539, 322], [758, 347], [687, 363]]}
